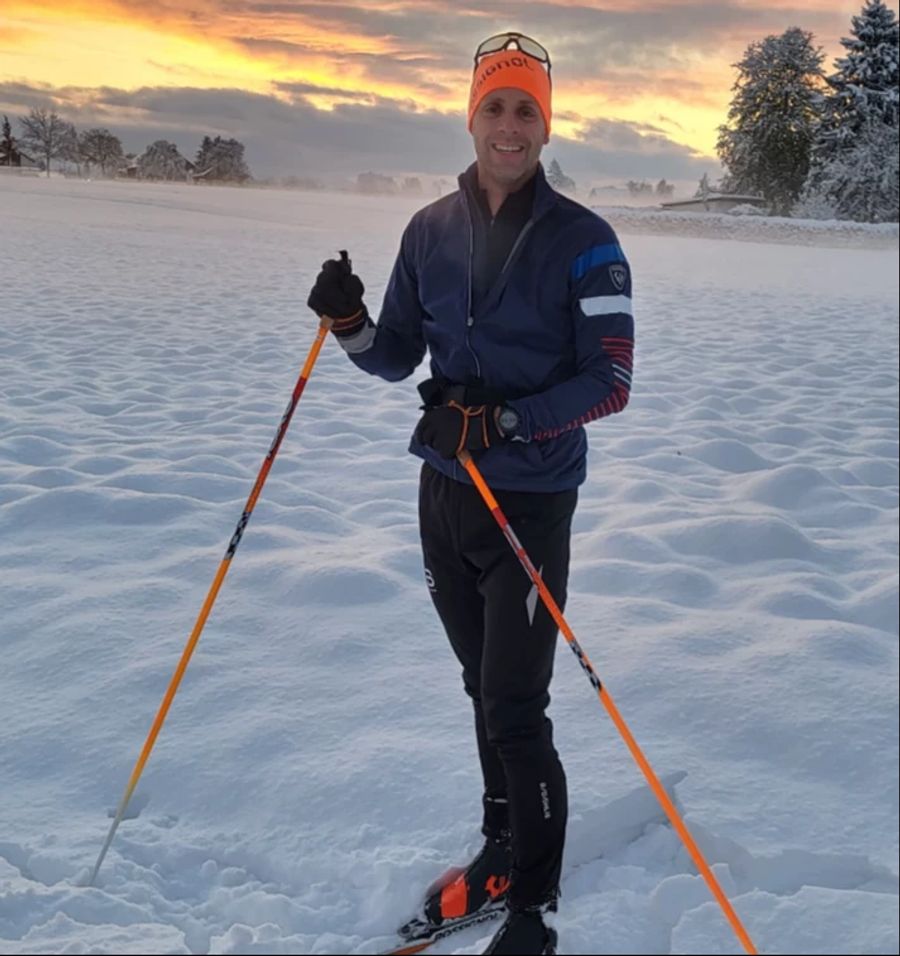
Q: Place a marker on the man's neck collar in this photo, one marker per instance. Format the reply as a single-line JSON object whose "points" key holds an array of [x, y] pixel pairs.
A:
{"points": [[497, 193], [544, 197]]}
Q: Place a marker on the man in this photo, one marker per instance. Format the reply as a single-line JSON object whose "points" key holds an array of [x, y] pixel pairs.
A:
{"points": [[523, 299]]}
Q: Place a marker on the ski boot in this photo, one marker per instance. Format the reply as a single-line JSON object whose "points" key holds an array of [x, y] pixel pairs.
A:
{"points": [[464, 896]]}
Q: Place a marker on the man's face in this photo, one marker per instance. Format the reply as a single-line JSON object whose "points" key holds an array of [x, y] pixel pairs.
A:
{"points": [[509, 132]]}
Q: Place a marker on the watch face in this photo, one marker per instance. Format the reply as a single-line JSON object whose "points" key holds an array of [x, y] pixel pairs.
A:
{"points": [[508, 420]]}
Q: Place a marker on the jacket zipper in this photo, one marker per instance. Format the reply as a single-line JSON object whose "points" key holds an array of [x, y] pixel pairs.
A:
{"points": [[522, 235], [513, 253], [470, 319]]}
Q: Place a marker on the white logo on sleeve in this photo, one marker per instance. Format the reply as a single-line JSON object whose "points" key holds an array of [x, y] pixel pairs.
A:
{"points": [[429, 580], [619, 275]]}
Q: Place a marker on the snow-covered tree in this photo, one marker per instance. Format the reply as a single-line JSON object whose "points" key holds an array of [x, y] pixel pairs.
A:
{"points": [[7, 144], [161, 160], [46, 134], [221, 160], [703, 187], [765, 145], [558, 179], [376, 184], [859, 182], [856, 146], [864, 84], [101, 148], [10, 154], [636, 188]]}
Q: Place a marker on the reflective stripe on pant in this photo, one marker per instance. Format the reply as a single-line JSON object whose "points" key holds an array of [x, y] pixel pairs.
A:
{"points": [[505, 640]]}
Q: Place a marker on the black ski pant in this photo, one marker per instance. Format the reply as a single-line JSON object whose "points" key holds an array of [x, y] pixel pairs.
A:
{"points": [[505, 639]]}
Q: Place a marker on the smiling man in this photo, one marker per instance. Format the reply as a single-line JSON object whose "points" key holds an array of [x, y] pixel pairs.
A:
{"points": [[522, 297]]}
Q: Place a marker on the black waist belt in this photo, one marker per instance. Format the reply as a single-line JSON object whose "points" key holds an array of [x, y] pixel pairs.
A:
{"points": [[436, 391]]}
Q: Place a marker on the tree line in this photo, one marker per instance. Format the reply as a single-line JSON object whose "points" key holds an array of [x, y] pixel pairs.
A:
{"points": [[560, 181], [813, 144], [45, 136]]}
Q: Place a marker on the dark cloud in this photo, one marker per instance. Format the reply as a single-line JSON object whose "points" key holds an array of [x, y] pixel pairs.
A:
{"points": [[411, 27], [415, 71], [267, 46], [669, 121], [22, 96], [303, 90], [391, 137], [612, 148]]}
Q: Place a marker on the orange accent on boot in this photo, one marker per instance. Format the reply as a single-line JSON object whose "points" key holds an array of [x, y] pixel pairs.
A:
{"points": [[455, 899], [447, 877], [496, 886]]}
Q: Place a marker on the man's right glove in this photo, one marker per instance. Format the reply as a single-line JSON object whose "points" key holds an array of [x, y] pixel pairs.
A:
{"points": [[450, 428], [337, 294]]}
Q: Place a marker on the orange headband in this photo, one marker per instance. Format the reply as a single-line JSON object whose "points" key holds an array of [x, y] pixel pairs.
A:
{"points": [[510, 68]]}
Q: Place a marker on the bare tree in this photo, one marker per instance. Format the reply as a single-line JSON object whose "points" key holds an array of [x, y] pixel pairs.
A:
{"points": [[45, 133], [70, 150], [101, 148]]}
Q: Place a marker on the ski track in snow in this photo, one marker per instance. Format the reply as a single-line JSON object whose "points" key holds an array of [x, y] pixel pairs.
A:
{"points": [[734, 580]]}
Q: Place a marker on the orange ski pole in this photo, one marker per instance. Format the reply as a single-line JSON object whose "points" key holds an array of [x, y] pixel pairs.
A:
{"points": [[465, 459], [324, 326]]}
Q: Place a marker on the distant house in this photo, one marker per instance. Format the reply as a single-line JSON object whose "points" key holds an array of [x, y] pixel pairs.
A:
{"points": [[715, 202], [127, 167], [15, 158]]}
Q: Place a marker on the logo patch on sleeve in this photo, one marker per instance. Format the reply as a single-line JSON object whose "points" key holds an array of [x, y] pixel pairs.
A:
{"points": [[618, 273]]}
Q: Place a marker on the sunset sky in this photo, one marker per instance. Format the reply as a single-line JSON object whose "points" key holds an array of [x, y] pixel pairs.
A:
{"points": [[316, 88]]}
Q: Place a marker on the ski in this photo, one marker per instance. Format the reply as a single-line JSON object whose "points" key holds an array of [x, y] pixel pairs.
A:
{"points": [[418, 935]]}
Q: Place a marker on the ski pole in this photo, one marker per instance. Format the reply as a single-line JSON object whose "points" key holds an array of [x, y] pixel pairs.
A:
{"points": [[324, 326], [465, 459]]}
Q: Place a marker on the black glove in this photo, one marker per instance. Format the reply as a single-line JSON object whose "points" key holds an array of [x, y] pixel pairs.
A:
{"points": [[338, 293], [450, 428]]}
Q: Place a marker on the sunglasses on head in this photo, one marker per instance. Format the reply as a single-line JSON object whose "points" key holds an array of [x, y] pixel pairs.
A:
{"points": [[505, 41]]}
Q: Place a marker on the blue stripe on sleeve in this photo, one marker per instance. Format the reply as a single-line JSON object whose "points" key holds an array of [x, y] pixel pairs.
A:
{"points": [[597, 256]]}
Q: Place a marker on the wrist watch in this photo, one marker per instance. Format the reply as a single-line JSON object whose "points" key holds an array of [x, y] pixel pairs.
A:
{"points": [[507, 421]]}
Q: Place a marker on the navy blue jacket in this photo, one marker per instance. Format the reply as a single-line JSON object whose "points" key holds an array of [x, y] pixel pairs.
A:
{"points": [[553, 336]]}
